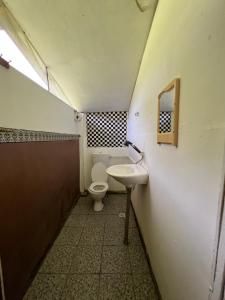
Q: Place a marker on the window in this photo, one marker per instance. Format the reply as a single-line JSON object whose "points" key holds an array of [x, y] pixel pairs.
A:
{"points": [[106, 129], [11, 52]]}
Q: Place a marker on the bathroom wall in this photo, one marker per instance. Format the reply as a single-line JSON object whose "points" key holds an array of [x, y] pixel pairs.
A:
{"points": [[25, 105], [177, 210]]}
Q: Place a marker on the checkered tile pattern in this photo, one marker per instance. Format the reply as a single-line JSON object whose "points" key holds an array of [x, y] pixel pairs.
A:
{"points": [[106, 129], [165, 121]]}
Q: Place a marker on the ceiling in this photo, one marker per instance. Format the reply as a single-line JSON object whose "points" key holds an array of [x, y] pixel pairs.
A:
{"points": [[92, 48]]}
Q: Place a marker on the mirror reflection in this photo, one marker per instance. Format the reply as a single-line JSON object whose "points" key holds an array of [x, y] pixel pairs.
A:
{"points": [[166, 107]]}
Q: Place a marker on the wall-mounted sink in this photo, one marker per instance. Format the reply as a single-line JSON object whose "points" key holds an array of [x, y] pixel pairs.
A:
{"points": [[129, 174]]}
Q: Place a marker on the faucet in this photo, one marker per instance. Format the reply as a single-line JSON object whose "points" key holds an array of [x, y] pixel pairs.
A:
{"points": [[127, 143]]}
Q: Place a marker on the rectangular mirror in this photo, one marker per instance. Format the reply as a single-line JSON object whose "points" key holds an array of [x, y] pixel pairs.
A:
{"points": [[168, 111]]}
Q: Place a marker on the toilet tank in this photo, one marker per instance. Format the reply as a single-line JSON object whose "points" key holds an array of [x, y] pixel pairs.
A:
{"points": [[100, 163], [103, 158]]}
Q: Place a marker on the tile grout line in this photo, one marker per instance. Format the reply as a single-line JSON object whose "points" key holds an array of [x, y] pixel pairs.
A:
{"points": [[132, 273], [64, 287], [101, 261], [69, 273], [72, 256], [100, 272]]}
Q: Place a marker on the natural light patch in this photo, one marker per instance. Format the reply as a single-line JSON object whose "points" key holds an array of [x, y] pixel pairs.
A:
{"points": [[10, 52]]}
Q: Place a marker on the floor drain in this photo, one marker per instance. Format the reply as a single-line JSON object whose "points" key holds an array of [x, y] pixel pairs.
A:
{"points": [[122, 215]]}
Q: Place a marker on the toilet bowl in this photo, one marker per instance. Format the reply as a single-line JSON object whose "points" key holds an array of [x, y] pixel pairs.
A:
{"points": [[98, 191], [99, 185]]}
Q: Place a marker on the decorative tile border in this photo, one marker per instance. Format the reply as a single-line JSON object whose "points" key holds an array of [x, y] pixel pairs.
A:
{"points": [[8, 135]]}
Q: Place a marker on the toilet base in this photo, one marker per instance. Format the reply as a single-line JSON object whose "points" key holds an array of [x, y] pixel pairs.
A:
{"points": [[98, 205], [98, 198]]}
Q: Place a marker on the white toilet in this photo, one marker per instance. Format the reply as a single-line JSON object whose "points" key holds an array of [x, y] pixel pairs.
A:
{"points": [[99, 177]]}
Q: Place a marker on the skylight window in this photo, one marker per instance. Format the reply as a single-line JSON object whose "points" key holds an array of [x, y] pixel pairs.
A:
{"points": [[11, 52]]}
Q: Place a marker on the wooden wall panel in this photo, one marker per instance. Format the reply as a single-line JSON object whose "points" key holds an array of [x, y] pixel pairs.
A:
{"points": [[39, 182]]}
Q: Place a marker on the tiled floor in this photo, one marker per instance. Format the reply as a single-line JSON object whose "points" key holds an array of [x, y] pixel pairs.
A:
{"points": [[89, 260]]}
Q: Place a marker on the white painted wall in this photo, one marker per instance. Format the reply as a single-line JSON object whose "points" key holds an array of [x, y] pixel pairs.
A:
{"points": [[25, 105], [177, 210]]}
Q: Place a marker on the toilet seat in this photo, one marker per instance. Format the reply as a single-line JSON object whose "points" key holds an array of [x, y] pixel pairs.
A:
{"points": [[98, 187]]}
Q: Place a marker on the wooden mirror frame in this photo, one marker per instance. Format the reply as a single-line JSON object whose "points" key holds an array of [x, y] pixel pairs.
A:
{"points": [[170, 137]]}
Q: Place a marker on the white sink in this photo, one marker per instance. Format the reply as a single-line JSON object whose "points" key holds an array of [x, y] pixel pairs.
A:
{"points": [[128, 175]]}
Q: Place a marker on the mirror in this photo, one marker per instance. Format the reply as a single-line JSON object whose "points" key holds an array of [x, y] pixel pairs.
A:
{"points": [[168, 110]]}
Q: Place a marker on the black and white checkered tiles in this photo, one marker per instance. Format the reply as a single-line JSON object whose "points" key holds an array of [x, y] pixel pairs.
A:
{"points": [[106, 129], [165, 121]]}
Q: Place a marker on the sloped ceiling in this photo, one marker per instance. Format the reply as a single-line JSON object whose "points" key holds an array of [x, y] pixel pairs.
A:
{"points": [[92, 47]]}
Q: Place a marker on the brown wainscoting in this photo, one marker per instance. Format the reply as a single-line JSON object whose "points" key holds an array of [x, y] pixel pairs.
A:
{"points": [[39, 182]]}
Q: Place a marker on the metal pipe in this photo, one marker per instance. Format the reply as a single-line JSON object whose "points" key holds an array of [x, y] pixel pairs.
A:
{"points": [[126, 229]]}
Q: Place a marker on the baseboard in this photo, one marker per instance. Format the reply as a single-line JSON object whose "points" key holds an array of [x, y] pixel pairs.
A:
{"points": [[147, 255], [85, 193], [116, 192]]}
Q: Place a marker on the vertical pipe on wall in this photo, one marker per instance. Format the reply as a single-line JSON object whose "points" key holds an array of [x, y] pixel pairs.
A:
{"points": [[82, 151]]}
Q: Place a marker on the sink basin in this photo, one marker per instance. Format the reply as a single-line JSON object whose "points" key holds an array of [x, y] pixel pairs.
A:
{"points": [[129, 174]]}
